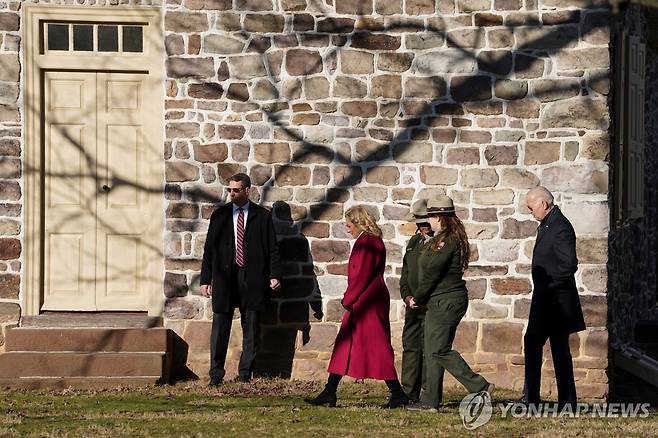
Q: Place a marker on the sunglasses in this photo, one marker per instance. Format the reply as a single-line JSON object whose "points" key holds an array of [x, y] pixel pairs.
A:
{"points": [[229, 189]]}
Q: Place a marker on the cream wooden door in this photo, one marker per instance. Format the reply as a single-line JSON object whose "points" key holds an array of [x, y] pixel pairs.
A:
{"points": [[102, 225]]}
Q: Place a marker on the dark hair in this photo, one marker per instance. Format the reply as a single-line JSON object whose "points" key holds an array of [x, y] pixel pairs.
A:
{"points": [[243, 178], [452, 227]]}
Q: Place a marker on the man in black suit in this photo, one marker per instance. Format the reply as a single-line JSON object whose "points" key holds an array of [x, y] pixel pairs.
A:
{"points": [[240, 265], [555, 310]]}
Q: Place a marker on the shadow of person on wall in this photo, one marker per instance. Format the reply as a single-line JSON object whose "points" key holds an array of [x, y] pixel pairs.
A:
{"points": [[289, 310], [177, 361]]}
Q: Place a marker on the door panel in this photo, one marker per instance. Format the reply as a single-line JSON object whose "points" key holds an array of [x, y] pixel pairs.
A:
{"points": [[69, 225], [122, 234]]}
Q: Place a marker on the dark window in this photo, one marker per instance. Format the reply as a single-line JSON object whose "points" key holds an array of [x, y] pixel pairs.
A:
{"points": [[108, 39], [83, 37], [132, 39], [58, 36]]}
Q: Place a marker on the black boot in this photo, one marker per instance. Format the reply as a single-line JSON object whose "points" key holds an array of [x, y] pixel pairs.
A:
{"points": [[328, 395], [325, 398], [398, 398]]}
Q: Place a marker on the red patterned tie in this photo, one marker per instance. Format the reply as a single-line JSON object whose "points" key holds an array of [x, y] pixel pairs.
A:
{"points": [[239, 250]]}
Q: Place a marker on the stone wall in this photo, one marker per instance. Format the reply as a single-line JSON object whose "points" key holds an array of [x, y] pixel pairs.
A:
{"points": [[378, 102]]}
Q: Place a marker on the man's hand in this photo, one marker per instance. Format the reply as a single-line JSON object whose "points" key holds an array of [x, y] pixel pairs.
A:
{"points": [[275, 284], [410, 302], [206, 290]]}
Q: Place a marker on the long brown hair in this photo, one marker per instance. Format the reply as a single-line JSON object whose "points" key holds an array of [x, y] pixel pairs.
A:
{"points": [[451, 226]]}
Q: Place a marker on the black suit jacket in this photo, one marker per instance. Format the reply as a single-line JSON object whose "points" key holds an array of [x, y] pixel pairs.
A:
{"points": [[555, 306], [262, 261]]}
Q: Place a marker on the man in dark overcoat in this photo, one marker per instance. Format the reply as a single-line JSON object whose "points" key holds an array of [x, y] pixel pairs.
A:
{"points": [[555, 310], [241, 264]]}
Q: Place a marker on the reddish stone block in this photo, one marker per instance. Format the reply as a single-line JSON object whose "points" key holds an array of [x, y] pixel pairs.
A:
{"points": [[522, 308], [302, 62], [353, 7], [503, 337], [182, 210], [9, 313], [596, 344], [515, 229], [327, 212], [510, 285], [595, 310], [466, 337], [231, 132], [485, 271], [336, 25], [263, 23], [476, 288], [500, 155], [334, 311], [183, 264], [206, 90], [330, 250], [197, 335], [370, 41], [175, 285], [321, 337], [315, 229], [9, 286], [361, 108], [10, 248]]}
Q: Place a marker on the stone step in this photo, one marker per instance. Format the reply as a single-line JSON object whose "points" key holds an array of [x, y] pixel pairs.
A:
{"points": [[92, 319], [78, 382], [106, 364], [86, 339]]}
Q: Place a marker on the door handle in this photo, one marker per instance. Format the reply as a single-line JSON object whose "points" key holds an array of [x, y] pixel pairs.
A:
{"points": [[106, 188]]}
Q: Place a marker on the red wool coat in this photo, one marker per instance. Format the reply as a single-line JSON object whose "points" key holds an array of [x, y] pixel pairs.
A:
{"points": [[363, 345]]}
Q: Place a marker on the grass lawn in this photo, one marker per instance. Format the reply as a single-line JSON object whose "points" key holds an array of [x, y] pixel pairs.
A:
{"points": [[269, 408]]}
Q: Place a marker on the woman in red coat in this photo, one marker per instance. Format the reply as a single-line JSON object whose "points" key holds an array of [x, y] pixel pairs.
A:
{"points": [[363, 345]]}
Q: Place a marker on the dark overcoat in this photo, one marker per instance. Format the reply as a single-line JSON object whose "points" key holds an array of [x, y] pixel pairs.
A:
{"points": [[555, 306], [261, 252], [363, 345]]}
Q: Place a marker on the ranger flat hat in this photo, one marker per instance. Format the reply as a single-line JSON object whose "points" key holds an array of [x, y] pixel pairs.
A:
{"points": [[418, 212], [440, 204]]}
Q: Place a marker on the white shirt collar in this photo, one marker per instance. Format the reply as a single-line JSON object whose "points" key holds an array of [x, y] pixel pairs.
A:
{"points": [[245, 207]]}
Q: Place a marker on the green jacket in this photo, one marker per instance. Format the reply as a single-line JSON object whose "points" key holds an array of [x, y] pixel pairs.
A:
{"points": [[409, 276], [439, 273]]}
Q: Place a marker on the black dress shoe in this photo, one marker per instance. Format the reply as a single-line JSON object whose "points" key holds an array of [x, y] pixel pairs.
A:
{"points": [[325, 398], [421, 407], [215, 381], [396, 401], [243, 379]]}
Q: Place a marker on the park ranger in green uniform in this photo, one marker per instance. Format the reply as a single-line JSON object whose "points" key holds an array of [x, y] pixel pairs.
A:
{"points": [[442, 290], [414, 315]]}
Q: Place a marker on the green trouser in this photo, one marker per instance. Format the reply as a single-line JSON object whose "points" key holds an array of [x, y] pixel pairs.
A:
{"points": [[441, 321], [412, 352]]}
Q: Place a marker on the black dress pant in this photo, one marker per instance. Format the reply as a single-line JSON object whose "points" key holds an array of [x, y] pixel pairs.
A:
{"points": [[221, 332], [562, 362]]}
